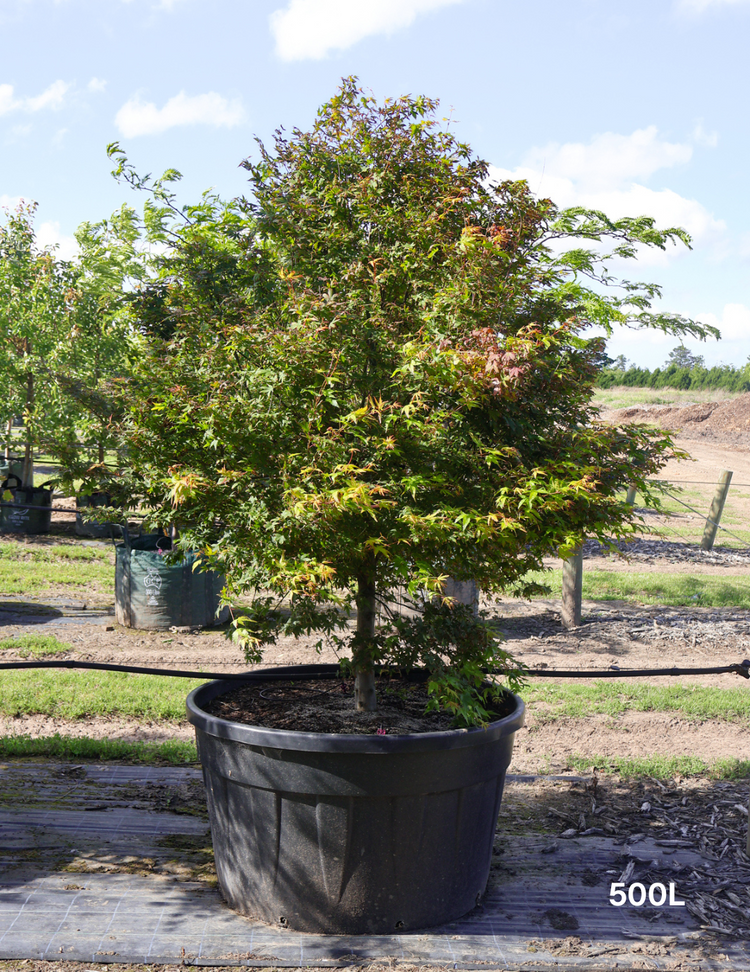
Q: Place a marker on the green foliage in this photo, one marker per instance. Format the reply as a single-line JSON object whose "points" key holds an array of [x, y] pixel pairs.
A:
{"points": [[682, 358], [683, 370], [458, 652], [35, 306], [372, 375], [90, 357], [64, 338]]}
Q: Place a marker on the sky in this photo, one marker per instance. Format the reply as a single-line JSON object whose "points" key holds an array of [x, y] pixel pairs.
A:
{"points": [[635, 107]]}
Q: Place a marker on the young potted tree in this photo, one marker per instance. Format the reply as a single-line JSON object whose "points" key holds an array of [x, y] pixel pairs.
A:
{"points": [[34, 309], [368, 377], [90, 358]]}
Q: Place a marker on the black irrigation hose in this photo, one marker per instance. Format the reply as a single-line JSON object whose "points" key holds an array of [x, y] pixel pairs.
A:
{"points": [[742, 669], [137, 670]]}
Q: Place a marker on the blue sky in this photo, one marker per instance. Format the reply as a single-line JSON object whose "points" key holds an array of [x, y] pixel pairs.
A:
{"points": [[630, 106]]}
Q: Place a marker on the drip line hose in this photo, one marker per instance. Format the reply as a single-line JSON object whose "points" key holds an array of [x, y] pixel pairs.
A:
{"points": [[742, 669]]}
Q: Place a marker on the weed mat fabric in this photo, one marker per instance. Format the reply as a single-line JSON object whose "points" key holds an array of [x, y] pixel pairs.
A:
{"points": [[113, 864]]}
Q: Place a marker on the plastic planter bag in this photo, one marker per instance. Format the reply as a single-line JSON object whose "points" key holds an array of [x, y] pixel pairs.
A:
{"points": [[152, 593]]}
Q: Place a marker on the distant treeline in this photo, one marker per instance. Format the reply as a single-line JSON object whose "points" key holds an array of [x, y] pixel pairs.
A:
{"points": [[721, 376]]}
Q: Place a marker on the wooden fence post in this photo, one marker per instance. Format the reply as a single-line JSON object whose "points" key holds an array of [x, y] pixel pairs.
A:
{"points": [[717, 508], [572, 585]]}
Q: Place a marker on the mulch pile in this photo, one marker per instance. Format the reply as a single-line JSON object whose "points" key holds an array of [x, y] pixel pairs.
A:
{"points": [[727, 421]]}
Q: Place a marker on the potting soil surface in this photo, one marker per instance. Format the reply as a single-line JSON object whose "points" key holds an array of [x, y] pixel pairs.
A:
{"points": [[112, 863]]}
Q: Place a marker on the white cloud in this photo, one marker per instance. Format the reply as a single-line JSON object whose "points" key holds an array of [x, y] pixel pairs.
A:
{"points": [[699, 6], [18, 133], [96, 85], [702, 137], [48, 234], [52, 97], [7, 101], [313, 28], [9, 202], [605, 174], [650, 349], [138, 117], [609, 159], [734, 323]]}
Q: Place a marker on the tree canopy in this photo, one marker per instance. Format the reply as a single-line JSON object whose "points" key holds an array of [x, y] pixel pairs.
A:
{"points": [[372, 374], [34, 308], [681, 357], [65, 337]]}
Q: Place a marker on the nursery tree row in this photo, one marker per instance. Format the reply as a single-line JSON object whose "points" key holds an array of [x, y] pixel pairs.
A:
{"points": [[65, 340], [682, 369]]}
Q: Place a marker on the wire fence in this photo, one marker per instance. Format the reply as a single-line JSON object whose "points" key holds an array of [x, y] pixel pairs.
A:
{"points": [[709, 520], [706, 519]]}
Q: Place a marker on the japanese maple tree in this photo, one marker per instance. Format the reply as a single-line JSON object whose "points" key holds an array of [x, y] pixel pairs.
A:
{"points": [[373, 374]]}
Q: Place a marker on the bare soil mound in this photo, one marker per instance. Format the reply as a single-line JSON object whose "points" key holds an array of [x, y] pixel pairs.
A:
{"points": [[722, 421]]}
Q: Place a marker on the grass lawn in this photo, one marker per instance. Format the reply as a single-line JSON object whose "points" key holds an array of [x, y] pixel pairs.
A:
{"points": [[663, 767], [175, 753], [30, 568], [673, 590], [553, 700], [35, 646], [690, 531], [72, 695], [78, 695]]}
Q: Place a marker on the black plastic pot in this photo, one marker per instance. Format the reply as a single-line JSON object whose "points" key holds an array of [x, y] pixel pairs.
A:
{"points": [[351, 834], [87, 528], [31, 509], [153, 594]]}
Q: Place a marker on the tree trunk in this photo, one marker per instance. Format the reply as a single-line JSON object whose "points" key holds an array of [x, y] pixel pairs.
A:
{"points": [[9, 438], [364, 682]]}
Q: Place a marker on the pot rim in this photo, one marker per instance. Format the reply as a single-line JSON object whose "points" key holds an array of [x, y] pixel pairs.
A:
{"points": [[262, 737]]}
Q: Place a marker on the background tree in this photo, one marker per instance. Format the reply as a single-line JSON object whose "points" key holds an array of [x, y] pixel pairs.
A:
{"points": [[91, 354], [35, 289], [680, 357], [372, 375]]}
